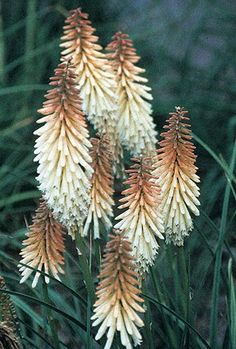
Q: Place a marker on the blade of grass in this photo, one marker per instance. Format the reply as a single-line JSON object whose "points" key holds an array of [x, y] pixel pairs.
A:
{"points": [[217, 269]]}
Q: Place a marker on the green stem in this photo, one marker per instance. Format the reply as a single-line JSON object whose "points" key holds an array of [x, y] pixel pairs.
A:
{"points": [[55, 339]]}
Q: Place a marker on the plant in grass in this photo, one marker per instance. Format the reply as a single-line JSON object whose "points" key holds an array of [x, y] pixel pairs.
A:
{"points": [[100, 209], [118, 293], [135, 124], [142, 219], [62, 149], [176, 175], [44, 246]]}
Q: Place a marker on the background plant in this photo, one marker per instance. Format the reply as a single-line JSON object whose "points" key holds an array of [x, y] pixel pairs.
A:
{"points": [[188, 52]]}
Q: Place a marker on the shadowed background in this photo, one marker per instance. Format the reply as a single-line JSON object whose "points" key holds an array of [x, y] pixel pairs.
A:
{"points": [[188, 51]]}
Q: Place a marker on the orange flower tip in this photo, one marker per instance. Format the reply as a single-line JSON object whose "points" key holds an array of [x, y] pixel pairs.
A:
{"points": [[135, 124], [43, 248], [62, 151], [175, 172], [142, 219], [101, 192], [117, 305]]}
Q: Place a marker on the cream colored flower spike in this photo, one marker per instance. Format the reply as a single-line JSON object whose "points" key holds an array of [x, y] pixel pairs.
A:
{"points": [[141, 220], [136, 127], [95, 78], [100, 209], [118, 295], [44, 246], [62, 150], [93, 73], [176, 173]]}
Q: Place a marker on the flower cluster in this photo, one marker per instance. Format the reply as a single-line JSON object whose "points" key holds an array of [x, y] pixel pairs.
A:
{"points": [[141, 220], [62, 150], [135, 123], [100, 208], [176, 175], [75, 175], [118, 294], [43, 249]]}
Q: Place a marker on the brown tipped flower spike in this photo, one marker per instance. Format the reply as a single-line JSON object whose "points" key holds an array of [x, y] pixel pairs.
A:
{"points": [[8, 339], [118, 295], [135, 123], [93, 73], [62, 150], [43, 249], [141, 220], [100, 208], [176, 174], [7, 309]]}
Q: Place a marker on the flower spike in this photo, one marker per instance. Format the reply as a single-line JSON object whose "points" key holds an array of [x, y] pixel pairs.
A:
{"points": [[44, 246], [93, 73], [176, 174], [141, 220], [95, 78], [135, 124], [101, 192], [62, 150], [118, 294]]}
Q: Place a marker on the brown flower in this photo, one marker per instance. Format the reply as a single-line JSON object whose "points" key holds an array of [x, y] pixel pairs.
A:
{"points": [[141, 220], [8, 339], [176, 174], [118, 294], [43, 249], [135, 123], [7, 309], [100, 208], [62, 150]]}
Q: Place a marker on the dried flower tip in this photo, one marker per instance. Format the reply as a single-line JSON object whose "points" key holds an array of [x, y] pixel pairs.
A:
{"points": [[141, 220], [8, 339], [43, 249], [93, 73], [118, 295], [176, 174], [7, 309], [100, 209], [62, 150], [135, 124]]}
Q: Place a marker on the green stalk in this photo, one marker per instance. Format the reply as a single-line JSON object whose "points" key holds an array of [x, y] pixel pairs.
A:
{"points": [[55, 339], [169, 331], [218, 262]]}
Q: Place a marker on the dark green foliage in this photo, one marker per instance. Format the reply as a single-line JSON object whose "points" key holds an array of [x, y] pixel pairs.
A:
{"points": [[188, 50]]}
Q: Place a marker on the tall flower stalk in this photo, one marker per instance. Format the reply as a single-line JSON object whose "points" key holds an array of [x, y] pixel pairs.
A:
{"points": [[135, 124], [118, 293], [176, 174], [62, 150], [141, 219], [100, 209], [44, 246]]}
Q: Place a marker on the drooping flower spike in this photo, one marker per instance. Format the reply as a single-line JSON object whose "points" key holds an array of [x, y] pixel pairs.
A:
{"points": [[94, 76], [176, 174], [100, 209], [62, 150], [142, 219], [44, 246], [135, 124], [118, 293]]}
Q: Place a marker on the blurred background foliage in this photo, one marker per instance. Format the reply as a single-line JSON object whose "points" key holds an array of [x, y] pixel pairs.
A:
{"points": [[188, 51]]}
